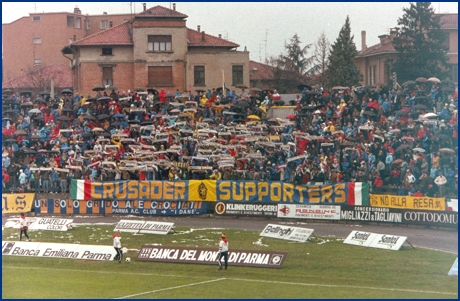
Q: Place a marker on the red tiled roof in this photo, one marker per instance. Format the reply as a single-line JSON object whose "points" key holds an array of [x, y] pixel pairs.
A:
{"points": [[377, 48], [118, 35], [448, 20], [195, 39], [161, 12], [62, 75], [263, 72]]}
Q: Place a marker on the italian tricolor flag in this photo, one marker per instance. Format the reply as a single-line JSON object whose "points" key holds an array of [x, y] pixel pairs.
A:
{"points": [[358, 194], [80, 190]]}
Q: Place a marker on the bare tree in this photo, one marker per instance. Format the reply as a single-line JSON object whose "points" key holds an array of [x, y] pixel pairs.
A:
{"points": [[320, 60]]}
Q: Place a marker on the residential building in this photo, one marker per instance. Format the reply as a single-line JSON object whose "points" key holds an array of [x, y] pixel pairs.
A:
{"points": [[35, 42], [374, 62], [156, 50]]}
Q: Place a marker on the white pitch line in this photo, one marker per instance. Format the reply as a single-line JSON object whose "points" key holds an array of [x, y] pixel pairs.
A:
{"points": [[236, 279], [171, 288], [343, 286]]}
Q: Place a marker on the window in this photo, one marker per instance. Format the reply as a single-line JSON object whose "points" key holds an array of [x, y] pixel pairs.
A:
{"points": [[106, 51], [88, 24], [160, 76], [198, 79], [104, 24], [371, 75], [237, 75], [37, 40], [77, 22], [36, 18], [37, 61], [70, 21], [111, 24], [107, 76], [159, 43]]}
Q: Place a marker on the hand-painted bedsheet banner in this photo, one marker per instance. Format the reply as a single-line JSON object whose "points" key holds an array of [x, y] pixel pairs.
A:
{"points": [[351, 193], [407, 202], [140, 207], [17, 203]]}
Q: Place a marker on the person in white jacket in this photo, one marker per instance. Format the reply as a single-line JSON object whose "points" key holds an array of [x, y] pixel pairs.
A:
{"points": [[117, 246], [223, 251], [23, 226], [441, 182]]}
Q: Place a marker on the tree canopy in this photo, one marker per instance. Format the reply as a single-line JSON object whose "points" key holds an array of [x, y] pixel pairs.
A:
{"points": [[420, 43], [342, 70]]}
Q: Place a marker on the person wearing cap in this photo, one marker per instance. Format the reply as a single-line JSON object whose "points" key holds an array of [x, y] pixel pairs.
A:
{"points": [[223, 251], [23, 226], [117, 246]]}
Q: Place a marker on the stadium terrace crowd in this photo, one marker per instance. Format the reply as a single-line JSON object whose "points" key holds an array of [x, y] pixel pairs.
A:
{"points": [[402, 141]]}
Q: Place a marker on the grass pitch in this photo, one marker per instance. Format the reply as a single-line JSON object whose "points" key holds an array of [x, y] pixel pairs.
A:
{"points": [[320, 268]]}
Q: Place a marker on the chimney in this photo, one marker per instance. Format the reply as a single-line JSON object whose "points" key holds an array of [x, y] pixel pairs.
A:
{"points": [[384, 39], [76, 10], [393, 32], [74, 37], [203, 36], [220, 36], [198, 28], [363, 40], [174, 6], [145, 6]]}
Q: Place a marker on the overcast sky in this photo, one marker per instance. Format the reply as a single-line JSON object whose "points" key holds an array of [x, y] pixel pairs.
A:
{"points": [[262, 27]]}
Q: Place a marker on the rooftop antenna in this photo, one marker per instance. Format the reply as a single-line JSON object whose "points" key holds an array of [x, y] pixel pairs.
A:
{"points": [[260, 53], [266, 39]]}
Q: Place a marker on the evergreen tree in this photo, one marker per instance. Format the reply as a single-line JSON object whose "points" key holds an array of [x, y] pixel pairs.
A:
{"points": [[421, 44], [296, 57], [342, 70]]}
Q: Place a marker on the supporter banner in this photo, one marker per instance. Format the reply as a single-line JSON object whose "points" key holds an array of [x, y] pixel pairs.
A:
{"points": [[360, 238], [140, 207], [264, 259], [407, 202], [152, 227], [309, 211], [17, 203], [225, 191], [252, 209], [56, 224], [430, 218], [57, 250], [370, 214], [389, 242], [287, 233], [452, 205]]}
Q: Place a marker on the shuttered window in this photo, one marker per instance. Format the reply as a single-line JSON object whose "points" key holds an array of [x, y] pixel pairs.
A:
{"points": [[159, 43], [107, 76], [160, 76], [237, 75]]}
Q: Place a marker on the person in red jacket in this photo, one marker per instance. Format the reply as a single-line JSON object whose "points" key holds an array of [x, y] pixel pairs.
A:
{"points": [[223, 251]]}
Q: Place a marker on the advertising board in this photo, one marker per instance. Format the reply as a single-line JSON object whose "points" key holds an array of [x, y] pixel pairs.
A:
{"points": [[388, 242], [58, 250], [328, 212], [287, 232], [153, 227], [360, 238], [252, 209], [260, 258], [55, 224]]}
